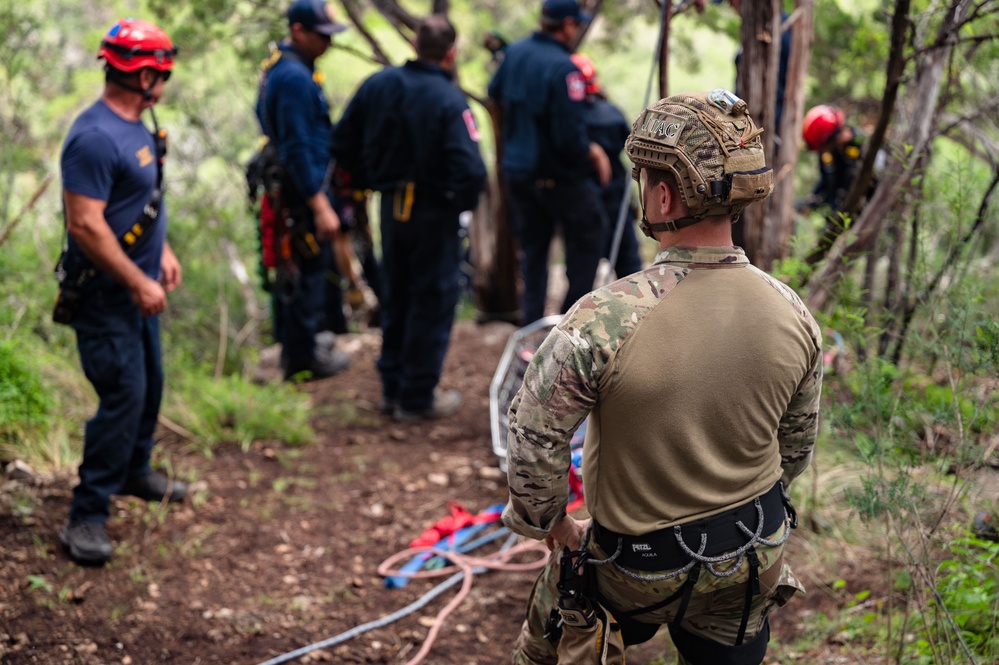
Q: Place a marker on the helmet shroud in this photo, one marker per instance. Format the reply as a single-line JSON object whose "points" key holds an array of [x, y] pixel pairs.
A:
{"points": [[711, 145]]}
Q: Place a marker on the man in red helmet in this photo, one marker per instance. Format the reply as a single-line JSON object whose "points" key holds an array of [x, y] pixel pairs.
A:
{"points": [[840, 148], [115, 275]]}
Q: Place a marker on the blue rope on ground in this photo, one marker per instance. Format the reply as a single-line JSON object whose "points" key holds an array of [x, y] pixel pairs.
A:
{"points": [[409, 609]]}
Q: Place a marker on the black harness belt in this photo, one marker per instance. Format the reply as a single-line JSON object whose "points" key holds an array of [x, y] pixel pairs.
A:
{"points": [[660, 550], [691, 547]]}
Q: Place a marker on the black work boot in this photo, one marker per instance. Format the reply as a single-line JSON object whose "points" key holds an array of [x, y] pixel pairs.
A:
{"points": [[154, 486], [446, 403], [327, 362], [87, 542]]}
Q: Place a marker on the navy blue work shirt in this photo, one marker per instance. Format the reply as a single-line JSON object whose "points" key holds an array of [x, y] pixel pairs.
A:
{"points": [[410, 124], [295, 115], [607, 127], [541, 95], [111, 159]]}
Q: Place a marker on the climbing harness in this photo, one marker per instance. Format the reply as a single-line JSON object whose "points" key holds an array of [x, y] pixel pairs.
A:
{"points": [[718, 539]]}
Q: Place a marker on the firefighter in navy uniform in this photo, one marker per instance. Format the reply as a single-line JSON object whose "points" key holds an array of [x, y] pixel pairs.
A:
{"points": [[840, 148], [295, 116], [115, 274], [409, 135], [540, 97], [607, 126]]}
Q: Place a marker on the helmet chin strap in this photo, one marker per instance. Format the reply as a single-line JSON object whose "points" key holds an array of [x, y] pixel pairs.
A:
{"points": [[649, 229], [147, 93]]}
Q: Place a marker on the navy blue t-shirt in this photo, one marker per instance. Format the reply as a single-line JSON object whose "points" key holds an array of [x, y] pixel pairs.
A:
{"points": [[109, 158]]}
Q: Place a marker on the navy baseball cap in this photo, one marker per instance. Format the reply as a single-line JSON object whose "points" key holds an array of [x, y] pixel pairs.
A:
{"points": [[562, 9], [314, 15]]}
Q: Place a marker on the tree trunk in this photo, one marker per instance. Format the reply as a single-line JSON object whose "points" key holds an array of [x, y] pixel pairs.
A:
{"points": [[779, 208], [921, 107], [492, 245], [757, 84]]}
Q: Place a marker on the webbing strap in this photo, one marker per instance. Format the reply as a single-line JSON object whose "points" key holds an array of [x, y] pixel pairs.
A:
{"points": [[752, 589], [688, 591]]}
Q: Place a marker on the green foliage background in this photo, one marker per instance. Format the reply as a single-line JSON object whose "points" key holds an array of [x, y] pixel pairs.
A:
{"points": [[876, 415]]}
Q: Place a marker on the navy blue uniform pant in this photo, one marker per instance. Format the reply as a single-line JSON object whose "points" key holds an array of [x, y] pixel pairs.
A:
{"points": [[299, 306], [419, 294], [542, 207], [627, 260], [120, 354]]}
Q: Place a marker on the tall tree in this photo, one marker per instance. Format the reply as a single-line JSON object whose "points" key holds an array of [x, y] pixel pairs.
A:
{"points": [[930, 50]]}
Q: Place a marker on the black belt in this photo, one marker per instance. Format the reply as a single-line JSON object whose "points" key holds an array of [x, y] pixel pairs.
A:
{"points": [[659, 550]]}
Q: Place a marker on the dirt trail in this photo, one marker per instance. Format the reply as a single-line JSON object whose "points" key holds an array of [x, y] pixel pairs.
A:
{"points": [[280, 544]]}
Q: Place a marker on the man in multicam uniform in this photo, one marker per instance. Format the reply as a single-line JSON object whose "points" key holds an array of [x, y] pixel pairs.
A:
{"points": [[701, 375]]}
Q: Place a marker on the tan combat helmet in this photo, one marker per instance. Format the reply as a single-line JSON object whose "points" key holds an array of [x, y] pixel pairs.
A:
{"points": [[709, 142]]}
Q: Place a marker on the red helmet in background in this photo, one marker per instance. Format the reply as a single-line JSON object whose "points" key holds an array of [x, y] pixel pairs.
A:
{"points": [[589, 72], [132, 44], [820, 123]]}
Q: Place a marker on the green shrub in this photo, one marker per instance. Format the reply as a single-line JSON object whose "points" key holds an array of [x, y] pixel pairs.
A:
{"points": [[233, 409], [24, 400]]}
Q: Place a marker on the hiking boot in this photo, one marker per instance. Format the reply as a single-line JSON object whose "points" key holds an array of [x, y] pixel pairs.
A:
{"points": [[446, 403], [327, 363], [87, 542], [388, 405], [154, 486], [325, 339]]}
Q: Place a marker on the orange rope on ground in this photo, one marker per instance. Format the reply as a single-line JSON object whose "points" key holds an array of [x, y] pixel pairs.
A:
{"points": [[469, 565]]}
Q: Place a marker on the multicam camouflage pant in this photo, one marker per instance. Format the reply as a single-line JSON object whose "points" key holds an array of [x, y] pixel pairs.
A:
{"points": [[714, 612]]}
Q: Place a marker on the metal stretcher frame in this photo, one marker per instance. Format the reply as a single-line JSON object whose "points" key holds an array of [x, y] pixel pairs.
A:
{"points": [[509, 376]]}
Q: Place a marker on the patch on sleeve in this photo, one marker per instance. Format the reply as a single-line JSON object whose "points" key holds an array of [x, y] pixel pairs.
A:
{"points": [[473, 129], [543, 378], [576, 86]]}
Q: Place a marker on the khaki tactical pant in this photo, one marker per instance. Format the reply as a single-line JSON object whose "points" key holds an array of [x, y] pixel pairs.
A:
{"points": [[714, 612]]}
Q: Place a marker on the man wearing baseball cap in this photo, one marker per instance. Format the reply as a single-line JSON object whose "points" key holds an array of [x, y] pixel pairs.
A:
{"points": [[314, 16], [540, 97], [295, 116]]}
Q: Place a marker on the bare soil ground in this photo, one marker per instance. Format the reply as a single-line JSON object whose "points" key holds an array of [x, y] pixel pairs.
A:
{"points": [[278, 546]]}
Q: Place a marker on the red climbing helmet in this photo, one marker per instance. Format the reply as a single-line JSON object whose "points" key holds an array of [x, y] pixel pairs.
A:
{"points": [[132, 44], [820, 123], [589, 72]]}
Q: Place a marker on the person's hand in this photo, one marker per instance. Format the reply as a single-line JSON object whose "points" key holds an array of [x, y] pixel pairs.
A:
{"points": [[568, 532], [601, 163], [327, 222], [149, 296], [171, 271]]}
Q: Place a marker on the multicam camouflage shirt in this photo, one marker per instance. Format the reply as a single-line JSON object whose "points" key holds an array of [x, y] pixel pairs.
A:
{"points": [[702, 377]]}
